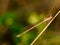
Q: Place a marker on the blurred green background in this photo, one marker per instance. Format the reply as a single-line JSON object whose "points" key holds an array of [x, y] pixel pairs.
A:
{"points": [[18, 15]]}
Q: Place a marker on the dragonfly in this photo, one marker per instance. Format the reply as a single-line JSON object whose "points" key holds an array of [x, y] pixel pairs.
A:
{"points": [[49, 18]]}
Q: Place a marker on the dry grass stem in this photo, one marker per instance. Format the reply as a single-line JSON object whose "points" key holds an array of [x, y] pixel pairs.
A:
{"points": [[44, 28]]}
